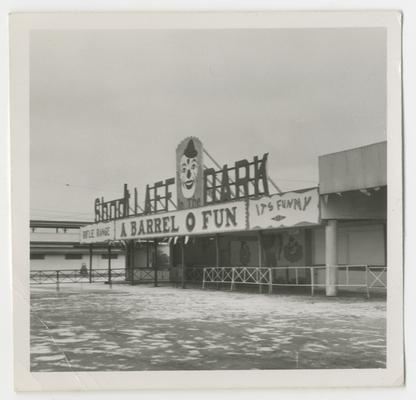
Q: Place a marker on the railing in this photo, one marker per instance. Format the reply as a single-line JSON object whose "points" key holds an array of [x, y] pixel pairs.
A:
{"points": [[113, 275], [293, 276], [238, 275], [297, 276]]}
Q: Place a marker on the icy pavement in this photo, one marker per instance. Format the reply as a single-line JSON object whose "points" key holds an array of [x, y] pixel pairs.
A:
{"points": [[86, 327]]}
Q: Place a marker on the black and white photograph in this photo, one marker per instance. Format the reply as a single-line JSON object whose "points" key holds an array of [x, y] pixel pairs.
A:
{"points": [[212, 198]]}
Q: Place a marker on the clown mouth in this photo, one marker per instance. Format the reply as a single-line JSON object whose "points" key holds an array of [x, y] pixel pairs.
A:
{"points": [[188, 184]]}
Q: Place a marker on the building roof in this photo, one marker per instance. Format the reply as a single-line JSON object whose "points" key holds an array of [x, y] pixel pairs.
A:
{"points": [[354, 169], [57, 224]]}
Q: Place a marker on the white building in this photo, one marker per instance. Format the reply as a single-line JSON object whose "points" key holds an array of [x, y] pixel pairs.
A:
{"points": [[55, 245]]}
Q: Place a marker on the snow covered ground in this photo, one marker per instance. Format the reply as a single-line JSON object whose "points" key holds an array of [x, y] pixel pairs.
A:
{"points": [[90, 327]]}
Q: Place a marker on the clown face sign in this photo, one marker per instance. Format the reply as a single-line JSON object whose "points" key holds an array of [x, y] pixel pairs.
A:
{"points": [[189, 162], [188, 170]]}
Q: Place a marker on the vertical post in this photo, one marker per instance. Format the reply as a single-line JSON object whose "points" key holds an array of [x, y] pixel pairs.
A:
{"points": [[126, 202], [170, 260], [270, 281], [109, 265], [57, 280], [90, 271], [366, 282], [331, 258], [312, 282], [232, 278], [308, 251], [217, 256], [183, 262], [131, 266], [347, 275], [147, 253], [127, 261], [203, 278], [135, 201], [260, 247], [155, 262], [217, 250]]}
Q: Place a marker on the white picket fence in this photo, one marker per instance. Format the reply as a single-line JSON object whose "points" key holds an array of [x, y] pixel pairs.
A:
{"points": [[370, 277]]}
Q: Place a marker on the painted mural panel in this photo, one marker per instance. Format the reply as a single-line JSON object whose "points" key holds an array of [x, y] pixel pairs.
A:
{"points": [[284, 248], [244, 252]]}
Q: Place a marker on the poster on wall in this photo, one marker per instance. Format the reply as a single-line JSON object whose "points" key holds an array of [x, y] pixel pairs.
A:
{"points": [[284, 210], [244, 252], [189, 173], [284, 248]]}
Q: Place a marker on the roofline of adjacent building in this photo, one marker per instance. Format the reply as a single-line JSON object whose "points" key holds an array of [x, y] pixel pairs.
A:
{"points": [[36, 223], [353, 148]]}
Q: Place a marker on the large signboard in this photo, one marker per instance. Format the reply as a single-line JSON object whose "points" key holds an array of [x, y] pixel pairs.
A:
{"points": [[211, 219], [196, 186], [205, 220], [284, 210], [189, 173], [99, 232]]}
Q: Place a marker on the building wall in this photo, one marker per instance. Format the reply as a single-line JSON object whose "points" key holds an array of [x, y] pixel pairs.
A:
{"points": [[354, 169], [53, 240], [358, 243], [280, 248], [45, 235]]}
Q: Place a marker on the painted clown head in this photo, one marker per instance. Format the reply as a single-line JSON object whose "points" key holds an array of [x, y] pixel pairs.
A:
{"points": [[189, 170]]}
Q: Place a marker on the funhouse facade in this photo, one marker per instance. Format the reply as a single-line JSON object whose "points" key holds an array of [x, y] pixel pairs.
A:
{"points": [[231, 225]]}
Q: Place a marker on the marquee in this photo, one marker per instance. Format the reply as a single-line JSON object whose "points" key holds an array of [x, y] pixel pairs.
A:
{"points": [[232, 198], [230, 217]]}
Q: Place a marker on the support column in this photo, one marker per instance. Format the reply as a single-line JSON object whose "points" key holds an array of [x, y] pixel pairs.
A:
{"points": [[331, 258], [171, 261], [147, 253], [217, 255], [217, 250], [155, 262], [127, 271], [90, 270], [109, 265], [183, 262], [132, 246], [308, 255], [260, 249]]}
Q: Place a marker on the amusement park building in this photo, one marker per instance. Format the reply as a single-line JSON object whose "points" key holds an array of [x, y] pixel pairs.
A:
{"points": [[303, 236]]}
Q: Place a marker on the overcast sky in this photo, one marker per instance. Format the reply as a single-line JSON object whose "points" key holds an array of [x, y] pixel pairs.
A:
{"points": [[110, 107]]}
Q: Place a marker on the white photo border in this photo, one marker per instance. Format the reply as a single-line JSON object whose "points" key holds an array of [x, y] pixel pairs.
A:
{"points": [[21, 24]]}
